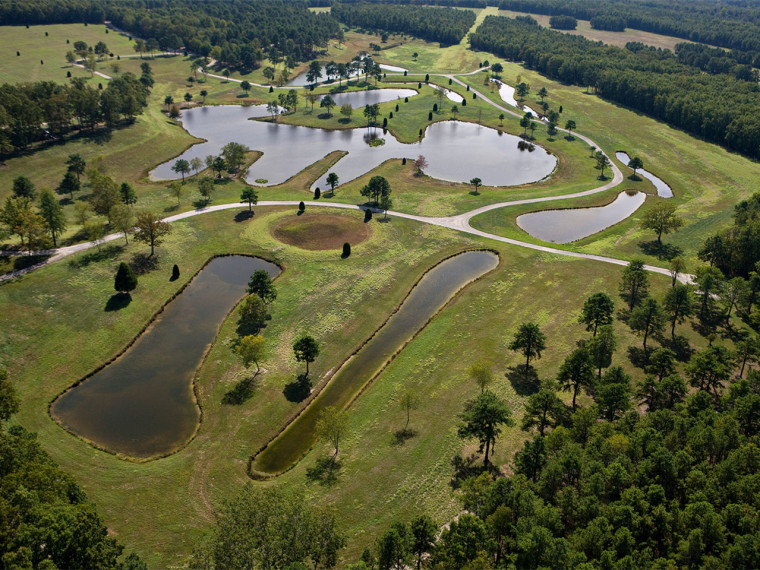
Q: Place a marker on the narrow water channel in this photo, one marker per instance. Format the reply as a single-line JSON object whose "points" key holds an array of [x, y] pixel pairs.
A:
{"points": [[663, 189], [142, 405], [427, 297]]}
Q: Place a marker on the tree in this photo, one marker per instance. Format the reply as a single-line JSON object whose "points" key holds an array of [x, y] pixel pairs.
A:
{"points": [[476, 182], [713, 251], [76, 164], [647, 319], [613, 395], [634, 164], [331, 426], [708, 369], [206, 188], [251, 196], [570, 126], [69, 184], [332, 180], [601, 348], [328, 103], [346, 110], [204, 94], [747, 350], [52, 212], [483, 418], [634, 285], [530, 341], [371, 112], [543, 409], [151, 229], [23, 188], [176, 190], [217, 164], [168, 101], [306, 350], [128, 195], [377, 187], [661, 219], [181, 167], [105, 194], [346, 249], [597, 311], [386, 203], [393, 548], [409, 401], [543, 93], [420, 164], [273, 109], [125, 280], [312, 98], [234, 155], [122, 219], [733, 290], [677, 267], [501, 119], [679, 305], [525, 122], [245, 86], [314, 73], [709, 282], [301, 207], [576, 372], [253, 313], [251, 350], [480, 372], [261, 284], [522, 90], [602, 163], [423, 531], [196, 164], [662, 362]]}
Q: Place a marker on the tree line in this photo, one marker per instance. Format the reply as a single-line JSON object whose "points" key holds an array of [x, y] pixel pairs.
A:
{"points": [[729, 25], [444, 25], [77, 106], [648, 80]]}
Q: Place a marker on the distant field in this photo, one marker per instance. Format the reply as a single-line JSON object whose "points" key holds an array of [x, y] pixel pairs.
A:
{"points": [[34, 46]]}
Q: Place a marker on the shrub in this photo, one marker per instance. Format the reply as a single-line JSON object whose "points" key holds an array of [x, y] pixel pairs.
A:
{"points": [[317, 194], [346, 249], [301, 206]]}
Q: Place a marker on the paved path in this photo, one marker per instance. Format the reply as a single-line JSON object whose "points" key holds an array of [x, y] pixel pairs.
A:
{"points": [[459, 222]]}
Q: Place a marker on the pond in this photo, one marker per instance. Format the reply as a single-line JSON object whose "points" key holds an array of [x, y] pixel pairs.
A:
{"points": [[663, 189], [427, 297], [455, 151], [507, 94], [564, 226], [142, 404], [301, 81]]}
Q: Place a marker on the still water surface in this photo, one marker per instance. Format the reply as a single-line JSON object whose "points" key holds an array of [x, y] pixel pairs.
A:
{"points": [[663, 189]]}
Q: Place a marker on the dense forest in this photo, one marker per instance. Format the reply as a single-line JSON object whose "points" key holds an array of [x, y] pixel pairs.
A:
{"points": [[444, 25], [730, 25], [645, 79], [736, 251]]}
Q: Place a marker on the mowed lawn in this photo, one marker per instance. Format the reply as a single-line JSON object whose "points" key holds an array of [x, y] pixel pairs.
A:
{"points": [[33, 45]]}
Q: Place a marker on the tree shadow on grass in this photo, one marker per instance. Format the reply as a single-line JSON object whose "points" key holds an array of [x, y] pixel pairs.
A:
{"points": [[524, 380], [664, 251], [638, 356], [23, 261], [470, 466], [241, 392], [401, 436], [243, 216], [325, 471], [172, 208], [105, 252], [143, 263], [680, 345], [344, 121], [118, 302], [299, 390]]}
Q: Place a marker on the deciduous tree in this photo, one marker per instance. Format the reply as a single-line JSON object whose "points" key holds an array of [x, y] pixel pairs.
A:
{"points": [[306, 350], [52, 212], [661, 219], [151, 229]]}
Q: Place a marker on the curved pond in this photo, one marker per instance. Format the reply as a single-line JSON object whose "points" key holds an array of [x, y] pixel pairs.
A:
{"points": [[507, 94], [359, 99], [455, 151], [427, 297], [142, 404], [663, 189], [564, 226], [301, 81]]}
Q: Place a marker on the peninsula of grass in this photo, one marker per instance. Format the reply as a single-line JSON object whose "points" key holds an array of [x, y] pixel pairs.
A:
{"points": [[317, 230]]}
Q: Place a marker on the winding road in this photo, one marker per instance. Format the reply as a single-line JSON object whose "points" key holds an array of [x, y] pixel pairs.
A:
{"points": [[460, 222]]}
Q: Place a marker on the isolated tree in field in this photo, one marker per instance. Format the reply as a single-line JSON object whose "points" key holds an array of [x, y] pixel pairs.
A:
{"points": [[483, 418], [409, 401], [530, 341], [647, 319], [251, 350], [312, 98], [476, 182], [346, 110], [747, 351], [332, 180], [176, 190], [69, 184], [206, 188], [168, 101], [306, 350], [634, 285], [125, 280], [522, 90], [181, 167], [76, 164], [377, 187], [501, 120], [250, 196], [677, 267], [122, 219], [542, 93], [328, 103], [661, 219], [634, 164], [261, 284], [601, 348], [204, 94], [246, 87], [188, 97], [151, 229], [332, 426], [23, 188], [420, 164], [480, 372], [543, 409], [497, 68], [597, 311], [570, 126], [709, 283], [52, 212], [525, 122], [128, 194], [576, 372], [602, 163]]}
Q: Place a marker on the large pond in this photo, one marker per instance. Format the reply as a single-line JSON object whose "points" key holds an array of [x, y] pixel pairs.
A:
{"points": [[663, 189], [142, 404], [301, 81], [428, 296], [455, 151], [564, 226]]}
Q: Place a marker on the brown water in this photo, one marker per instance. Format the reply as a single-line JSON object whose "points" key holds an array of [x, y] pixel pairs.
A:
{"points": [[142, 405], [428, 296]]}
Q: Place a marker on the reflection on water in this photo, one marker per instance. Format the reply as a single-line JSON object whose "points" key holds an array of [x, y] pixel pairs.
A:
{"points": [[142, 404], [564, 226], [663, 189], [428, 296]]}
